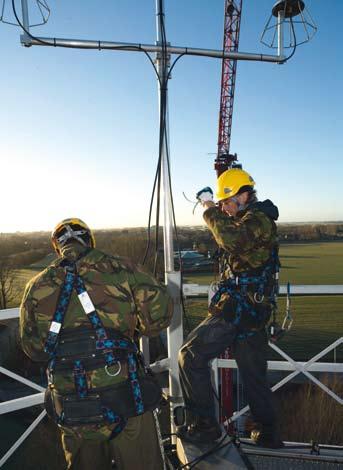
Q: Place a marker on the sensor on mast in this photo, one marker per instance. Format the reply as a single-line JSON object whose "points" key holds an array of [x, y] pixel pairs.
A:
{"points": [[289, 25]]}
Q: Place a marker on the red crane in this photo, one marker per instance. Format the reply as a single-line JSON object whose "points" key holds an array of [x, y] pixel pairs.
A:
{"points": [[224, 160], [232, 22]]}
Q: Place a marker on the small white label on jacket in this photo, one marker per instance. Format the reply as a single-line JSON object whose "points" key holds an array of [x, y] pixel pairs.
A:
{"points": [[86, 302], [55, 326]]}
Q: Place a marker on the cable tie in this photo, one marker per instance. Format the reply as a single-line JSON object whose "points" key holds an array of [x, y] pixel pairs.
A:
{"points": [[55, 42], [99, 45]]}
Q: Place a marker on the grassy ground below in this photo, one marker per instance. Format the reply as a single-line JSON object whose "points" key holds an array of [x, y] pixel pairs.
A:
{"points": [[318, 322], [306, 263]]}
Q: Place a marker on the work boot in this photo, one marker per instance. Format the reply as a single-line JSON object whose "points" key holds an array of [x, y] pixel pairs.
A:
{"points": [[266, 436], [201, 430]]}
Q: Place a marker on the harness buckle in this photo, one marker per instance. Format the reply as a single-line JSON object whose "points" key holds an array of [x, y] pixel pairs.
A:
{"points": [[117, 372], [258, 297], [55, 327]]}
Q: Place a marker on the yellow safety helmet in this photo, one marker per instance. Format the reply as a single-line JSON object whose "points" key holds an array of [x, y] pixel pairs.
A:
{"points": [[72, 228], [231, 181]]}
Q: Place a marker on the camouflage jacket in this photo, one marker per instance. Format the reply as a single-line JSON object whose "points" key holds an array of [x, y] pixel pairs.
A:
{"points": [[125, 297], [246, 241]]}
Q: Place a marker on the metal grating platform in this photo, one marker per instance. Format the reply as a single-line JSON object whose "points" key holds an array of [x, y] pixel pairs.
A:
{"points": [[259, 462], [294, 456]]}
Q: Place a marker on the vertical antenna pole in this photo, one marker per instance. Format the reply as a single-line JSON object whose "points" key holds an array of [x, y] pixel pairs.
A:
{"points": [[172, 278], [280, 27], [25, 13], [26, 23]]}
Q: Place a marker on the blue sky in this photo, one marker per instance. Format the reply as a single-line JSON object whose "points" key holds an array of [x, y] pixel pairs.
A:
{"points": [[79, 129]]}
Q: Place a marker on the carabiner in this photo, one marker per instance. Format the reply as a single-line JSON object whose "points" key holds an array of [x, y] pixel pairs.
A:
{"points": [[258, 297], [116, 373]]}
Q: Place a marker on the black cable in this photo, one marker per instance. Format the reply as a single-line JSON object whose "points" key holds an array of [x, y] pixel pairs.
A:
{"points": [[157, 222], [149, 218], [163, 112], [163, 79], [163, 124], [164, 138], [167, 77], [174, 63], [295, 44], [162, 127]]}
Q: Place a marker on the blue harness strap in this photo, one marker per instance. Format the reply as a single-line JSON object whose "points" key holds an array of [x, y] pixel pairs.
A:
{"points": [[80, 379], [58, 318], [113, 418], [136, 389], [103, 343]]}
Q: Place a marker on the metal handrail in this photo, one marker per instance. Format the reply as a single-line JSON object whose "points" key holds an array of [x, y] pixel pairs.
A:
{"points": [[298, 368]]}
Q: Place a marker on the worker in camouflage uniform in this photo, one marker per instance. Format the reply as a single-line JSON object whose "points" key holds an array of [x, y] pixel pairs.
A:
{"points": [[79, 315], [245, 231]]}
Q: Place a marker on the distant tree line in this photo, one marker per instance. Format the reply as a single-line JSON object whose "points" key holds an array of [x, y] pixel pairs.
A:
{"points": [[311, 232], [20, 250]]}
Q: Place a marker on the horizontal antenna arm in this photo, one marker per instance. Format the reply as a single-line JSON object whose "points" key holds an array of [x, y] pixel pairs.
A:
{"points": [[134, 47]]}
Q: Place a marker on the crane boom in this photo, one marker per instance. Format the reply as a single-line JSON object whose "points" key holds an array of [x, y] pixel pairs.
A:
{"points": [[232, 22], [224, 160]]}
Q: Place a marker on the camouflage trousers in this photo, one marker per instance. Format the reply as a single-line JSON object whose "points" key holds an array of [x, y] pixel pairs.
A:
{"points": [[135, 448]]}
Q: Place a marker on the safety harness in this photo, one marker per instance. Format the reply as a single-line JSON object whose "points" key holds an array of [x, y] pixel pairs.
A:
{"points": [[264, 284], [69, 409]]}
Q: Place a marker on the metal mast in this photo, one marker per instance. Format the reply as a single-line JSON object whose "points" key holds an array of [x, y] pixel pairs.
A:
{"points": [[172, 277], [232, 22]]}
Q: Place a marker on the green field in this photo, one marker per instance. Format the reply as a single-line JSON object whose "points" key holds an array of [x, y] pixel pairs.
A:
{"points": [[22, 276], [318, 322], [306, 263]]}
